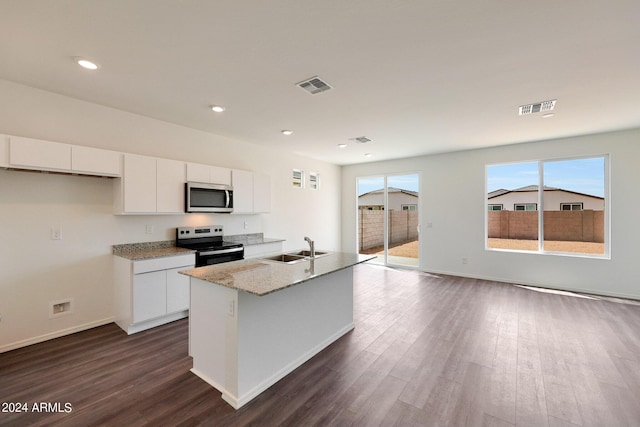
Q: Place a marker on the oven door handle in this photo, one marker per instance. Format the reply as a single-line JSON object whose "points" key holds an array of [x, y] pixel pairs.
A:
{"points": [[221, 251]]}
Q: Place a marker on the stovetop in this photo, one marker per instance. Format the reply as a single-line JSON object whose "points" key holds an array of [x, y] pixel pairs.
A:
{"points": [[208, 237]]}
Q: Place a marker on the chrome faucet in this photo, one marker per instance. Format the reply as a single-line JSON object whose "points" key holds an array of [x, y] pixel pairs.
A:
{"points": [[312, 250]]}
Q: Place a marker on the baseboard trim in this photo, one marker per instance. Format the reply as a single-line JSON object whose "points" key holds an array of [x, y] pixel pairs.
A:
{"points": [[56, 334], [596, 292]]}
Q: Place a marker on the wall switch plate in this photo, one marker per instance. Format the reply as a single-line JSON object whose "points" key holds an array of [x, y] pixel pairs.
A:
{"points": [[56, 233]]}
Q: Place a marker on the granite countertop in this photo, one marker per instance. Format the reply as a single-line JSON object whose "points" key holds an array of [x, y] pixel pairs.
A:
{"points": [[261, 277], [148, 250], [251, 239]]}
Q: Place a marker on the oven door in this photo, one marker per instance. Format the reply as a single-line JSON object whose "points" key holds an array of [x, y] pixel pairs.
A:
{"points": [[218, 256]]}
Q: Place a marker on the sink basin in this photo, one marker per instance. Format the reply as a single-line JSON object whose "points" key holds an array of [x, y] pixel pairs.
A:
{"points": [[308, 253], [285, 258]]}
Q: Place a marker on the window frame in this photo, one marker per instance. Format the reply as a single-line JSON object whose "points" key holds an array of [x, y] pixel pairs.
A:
{"points": [[535, 207], [571, 205], [540, 209]]}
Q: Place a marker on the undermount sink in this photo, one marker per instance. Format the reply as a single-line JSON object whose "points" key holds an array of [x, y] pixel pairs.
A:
{"points": [[285, 258], [308, 253], [294, 257]]}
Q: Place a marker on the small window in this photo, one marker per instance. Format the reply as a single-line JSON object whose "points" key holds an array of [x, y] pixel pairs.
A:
{"points": [[525, 207], [298, 178], [570, 206], [495, 207], [314, 180], [409, 207]]}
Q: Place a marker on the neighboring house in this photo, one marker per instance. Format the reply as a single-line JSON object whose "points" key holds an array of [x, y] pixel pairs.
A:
{"points": [[555, 199], [399, 200]]}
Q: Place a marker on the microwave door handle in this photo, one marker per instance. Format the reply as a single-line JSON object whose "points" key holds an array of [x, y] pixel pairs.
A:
{"points": [[227, 194]]}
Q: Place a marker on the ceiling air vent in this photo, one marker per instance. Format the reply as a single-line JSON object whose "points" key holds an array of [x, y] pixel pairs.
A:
{"points": [[314, 85], [536, 108], [360, 140]]}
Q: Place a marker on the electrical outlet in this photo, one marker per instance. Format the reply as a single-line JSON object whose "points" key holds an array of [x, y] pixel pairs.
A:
{"points": [[56, 233], [150, 229], [246, 225], [465, 260], [60, 308]]}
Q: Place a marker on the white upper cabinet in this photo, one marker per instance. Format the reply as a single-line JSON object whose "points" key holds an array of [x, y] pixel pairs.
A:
{"points": [[208, 174], [4, 151], [170, 179], [94, 161], [27, 153], [35, 154], [242, 182], [149, 186], [251, 192], [139, 184]]}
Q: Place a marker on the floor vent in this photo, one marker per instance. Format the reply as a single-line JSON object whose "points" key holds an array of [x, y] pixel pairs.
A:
{"points": [[360, 139], [314, 85], [539, 107]]}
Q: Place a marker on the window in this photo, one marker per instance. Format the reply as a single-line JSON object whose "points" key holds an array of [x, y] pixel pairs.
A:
{"points": [[298, 178], [409, 207], [525, 207], [314, 180], [546, 221], [570, 206]]}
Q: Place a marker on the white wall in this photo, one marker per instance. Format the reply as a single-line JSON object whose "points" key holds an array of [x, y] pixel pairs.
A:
{"points": [[452, 200], [35, 269]]}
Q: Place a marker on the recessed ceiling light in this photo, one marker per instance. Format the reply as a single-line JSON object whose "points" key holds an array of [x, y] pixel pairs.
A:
{"points": [[368, 155], [546, 116], [342, 145], [217, 108], [85, 63], [286, 132]]}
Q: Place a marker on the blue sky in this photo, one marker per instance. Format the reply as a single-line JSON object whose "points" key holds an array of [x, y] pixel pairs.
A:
{"points": [[581, 175], [406, 182]]}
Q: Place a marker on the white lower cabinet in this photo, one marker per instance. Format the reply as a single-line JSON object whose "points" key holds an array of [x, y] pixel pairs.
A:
{"points": [[151, 292]]}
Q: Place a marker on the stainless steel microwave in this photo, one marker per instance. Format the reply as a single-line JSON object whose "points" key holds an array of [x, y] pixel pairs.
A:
{"points": [[201, 197]]}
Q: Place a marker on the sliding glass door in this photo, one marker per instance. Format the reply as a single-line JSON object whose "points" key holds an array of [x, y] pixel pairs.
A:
{"points": [[388, 218]]}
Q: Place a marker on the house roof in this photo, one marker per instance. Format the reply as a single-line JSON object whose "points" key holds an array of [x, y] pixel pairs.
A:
{"points": [[392, 190], [529, 188]]}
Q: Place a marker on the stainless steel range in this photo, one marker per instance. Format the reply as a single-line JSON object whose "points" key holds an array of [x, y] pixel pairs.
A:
{"points": [[209, 244]]}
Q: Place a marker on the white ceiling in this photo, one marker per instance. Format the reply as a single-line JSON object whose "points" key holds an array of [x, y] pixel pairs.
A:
{"points": [[415, 76]]}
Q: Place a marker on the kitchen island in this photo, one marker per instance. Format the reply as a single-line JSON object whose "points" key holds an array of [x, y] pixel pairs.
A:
{"points": [[254, 321]]}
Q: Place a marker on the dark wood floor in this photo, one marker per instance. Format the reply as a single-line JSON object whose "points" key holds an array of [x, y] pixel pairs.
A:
{"points": [[427, 350]]}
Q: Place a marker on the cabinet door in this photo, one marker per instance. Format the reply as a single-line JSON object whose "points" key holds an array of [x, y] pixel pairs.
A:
{"points": [[40, 155], [139, 182], [242, 191], [170, 186], [149, 295], [261, 192], [220, 175], [95, 161], [198, 173], [4, 150], [177, 290]]}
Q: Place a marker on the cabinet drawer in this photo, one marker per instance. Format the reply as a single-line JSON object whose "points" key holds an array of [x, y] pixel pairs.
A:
{"points": [[163, 263]]}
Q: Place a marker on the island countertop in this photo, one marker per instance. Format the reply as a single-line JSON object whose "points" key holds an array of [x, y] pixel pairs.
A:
{"points": [[261, 277]]}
